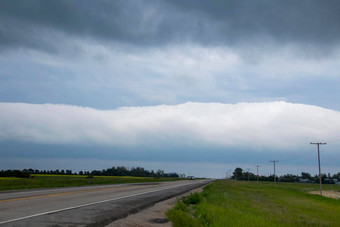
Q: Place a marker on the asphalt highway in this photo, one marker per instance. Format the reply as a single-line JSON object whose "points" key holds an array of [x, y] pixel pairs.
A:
{"points": [[85, 206]]}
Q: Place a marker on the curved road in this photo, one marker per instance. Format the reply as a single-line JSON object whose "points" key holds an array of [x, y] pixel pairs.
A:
{"points": [[85, 206]]}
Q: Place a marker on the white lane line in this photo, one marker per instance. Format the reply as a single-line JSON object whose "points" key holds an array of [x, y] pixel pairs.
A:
{"points": [[89, 204]]}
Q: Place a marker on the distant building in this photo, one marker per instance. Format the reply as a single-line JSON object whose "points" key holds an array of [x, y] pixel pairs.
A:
{"points": [[304, 180]]}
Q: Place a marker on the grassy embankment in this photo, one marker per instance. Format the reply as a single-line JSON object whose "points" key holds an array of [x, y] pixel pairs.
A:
{"points": [[235, 203], [50, 181]]}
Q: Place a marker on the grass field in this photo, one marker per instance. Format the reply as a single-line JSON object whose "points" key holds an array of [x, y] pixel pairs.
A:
{"points": [[236, 203], [51, 181]]}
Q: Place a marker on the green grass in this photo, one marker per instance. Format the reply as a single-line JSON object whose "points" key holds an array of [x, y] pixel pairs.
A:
{"points": [[51, 181], [235, 203]]}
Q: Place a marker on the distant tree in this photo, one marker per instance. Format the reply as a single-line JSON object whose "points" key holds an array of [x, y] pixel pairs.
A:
{"points": [[139, 172], [159, 173], [238, 174], [30, 171], [96, 173], [113, 171], [288, 178], [249, 175], [14, 173], [336, 176], [306, 176], [122, 171], [175, 175]]}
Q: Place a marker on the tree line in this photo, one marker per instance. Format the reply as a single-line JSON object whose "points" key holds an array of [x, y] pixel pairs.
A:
{"points": [[113, 171], [239, 174]]}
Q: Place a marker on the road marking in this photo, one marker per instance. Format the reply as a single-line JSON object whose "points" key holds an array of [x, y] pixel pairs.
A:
{"points": [[58, 194], [89, 204]]}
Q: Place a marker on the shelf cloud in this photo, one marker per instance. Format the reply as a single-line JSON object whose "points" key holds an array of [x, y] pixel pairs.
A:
{"points": [[168, 81], [256, 126]]}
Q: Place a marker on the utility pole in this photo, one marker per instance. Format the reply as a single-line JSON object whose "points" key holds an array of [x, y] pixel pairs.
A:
{"points": [[248, 173], [318, 144], [227, 174], [274, 171], [257, 173]]}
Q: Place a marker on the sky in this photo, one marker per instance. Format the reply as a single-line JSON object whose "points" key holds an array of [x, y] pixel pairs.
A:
{"points": [[194, 87]]}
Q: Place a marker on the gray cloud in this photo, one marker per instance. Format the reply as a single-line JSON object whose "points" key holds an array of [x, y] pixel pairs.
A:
{"points": [[34, 23], [246, 133], [172, 75], [109, 54], [285, 21]]}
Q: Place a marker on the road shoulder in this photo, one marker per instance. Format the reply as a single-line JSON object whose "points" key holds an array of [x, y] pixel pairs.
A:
{"points": [[153, 216]]}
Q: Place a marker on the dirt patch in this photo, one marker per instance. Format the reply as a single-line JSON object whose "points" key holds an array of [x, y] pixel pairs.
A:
{"points": [[153, 216], [330, 194]]}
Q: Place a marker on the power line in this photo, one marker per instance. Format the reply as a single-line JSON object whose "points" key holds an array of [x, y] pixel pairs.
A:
{"points": [[248, 173], [274, 171], [318, 144], [301, 152], [335, 138], [227, 174], [257, 173]]}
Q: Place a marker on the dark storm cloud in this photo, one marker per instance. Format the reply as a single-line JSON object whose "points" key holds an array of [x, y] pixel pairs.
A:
{"points": [[290, 21], [35, 23]]}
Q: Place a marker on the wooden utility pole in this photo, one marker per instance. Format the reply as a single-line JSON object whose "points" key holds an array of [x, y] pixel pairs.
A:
{"points": [[248, 173], [318, 144], [257, 173], [274, 171]]}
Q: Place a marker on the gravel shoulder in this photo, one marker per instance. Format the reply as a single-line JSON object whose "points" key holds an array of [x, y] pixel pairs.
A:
{"points": [[153, 216], [330, 194]]}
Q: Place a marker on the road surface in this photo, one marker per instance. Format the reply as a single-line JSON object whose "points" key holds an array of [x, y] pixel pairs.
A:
{"points": [[85, 206]]}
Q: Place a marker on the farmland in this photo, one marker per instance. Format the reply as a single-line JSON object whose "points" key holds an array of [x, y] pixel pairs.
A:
{"points": [[51, 181], [239, 203]]}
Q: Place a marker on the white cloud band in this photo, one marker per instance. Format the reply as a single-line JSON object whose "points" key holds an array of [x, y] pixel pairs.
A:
{"points": [[275, 125]]}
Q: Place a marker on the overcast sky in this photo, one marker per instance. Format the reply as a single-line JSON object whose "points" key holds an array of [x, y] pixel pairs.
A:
{"points": [[197, 87]]}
